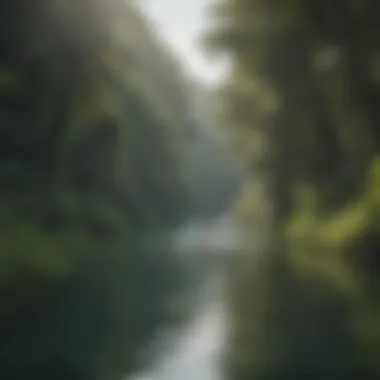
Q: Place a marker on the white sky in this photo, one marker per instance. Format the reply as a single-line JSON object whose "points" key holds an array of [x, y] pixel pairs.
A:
{"points": [[180, 23]]}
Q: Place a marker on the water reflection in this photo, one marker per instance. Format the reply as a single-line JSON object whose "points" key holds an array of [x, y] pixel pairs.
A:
{"points": [[196, 350], [196, 353]]}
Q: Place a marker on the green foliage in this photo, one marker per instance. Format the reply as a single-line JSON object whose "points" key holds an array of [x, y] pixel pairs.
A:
{"points": [[89, 170], [302, 105]]}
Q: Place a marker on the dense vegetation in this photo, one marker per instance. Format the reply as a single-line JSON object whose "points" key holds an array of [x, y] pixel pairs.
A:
{"points": [[302, 105], [90, 169]]}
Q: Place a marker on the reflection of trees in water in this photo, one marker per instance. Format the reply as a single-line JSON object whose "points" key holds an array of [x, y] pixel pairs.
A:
{"points": [[195, 351], [209, 247]]}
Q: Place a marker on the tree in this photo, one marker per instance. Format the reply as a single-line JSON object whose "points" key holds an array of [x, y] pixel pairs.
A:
{"points": [[301, 105], [89, 171]]}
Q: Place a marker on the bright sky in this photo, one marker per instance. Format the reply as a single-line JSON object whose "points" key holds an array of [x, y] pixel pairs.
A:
{"points": [[181, 23]]}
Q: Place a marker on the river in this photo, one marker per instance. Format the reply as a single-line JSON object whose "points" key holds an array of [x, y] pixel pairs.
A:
{"points": [[198, 348], [196, 353]]}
